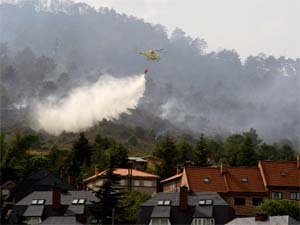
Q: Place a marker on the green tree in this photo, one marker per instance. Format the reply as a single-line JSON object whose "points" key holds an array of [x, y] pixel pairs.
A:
{"points": [[165, 150], [108, 197], [185, 151], [130, 203], [246, 155], [117, 156], [276, 207], [232, 148], [214, 149], [286, 152], [267, 152], [201, 151], [82, 150], [132, 140]]}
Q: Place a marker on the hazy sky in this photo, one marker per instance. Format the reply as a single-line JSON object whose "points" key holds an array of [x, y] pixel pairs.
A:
{"points": [[249, 26]]}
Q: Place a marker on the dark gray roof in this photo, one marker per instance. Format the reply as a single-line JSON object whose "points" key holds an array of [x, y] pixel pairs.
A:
{"points": [[193, 198], [272, 220], [66, 198], [75, 209], [42, 180], [161, 212], [203, 212], [61, 220], [34, 210]]}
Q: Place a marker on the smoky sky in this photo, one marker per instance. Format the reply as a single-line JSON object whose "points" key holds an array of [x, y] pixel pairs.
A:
{"points": [[56, 46]]}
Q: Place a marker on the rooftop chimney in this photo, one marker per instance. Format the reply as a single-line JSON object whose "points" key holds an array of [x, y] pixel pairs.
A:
{"points": [[298, 162], [261, 217], [223, 169], [183, 197], [56, 194]]}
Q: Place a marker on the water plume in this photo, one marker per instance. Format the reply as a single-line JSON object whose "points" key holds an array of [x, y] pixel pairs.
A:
{"points": [[84, 106]]}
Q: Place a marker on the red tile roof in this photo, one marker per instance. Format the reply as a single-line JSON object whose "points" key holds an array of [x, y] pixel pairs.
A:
{"points": [[280, 173], [196, 182], [177, 176], [244, 179], [124, 172]]}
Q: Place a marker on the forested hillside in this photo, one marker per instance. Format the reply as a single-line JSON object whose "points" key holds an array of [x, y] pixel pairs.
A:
{"points": [[48, 49]]}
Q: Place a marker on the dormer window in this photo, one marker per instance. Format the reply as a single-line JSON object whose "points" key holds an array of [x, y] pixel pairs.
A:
{"points": [[245, 179], [164, 202], [161, 202], [206, 180], [38, 202], [34, 202], [41, 202], [206, 202], [79, 201], [201, 221]]}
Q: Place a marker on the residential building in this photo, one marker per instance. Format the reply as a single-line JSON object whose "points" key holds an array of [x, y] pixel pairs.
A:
{"points": [[138, 162], [281, 179], [130, 179], [198, 208], [264, 220], [172, 183], [42, 180], [52, 207], [241, 187]]}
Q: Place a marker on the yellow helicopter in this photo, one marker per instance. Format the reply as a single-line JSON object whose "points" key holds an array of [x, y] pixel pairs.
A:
{"points": [[151, 55]]}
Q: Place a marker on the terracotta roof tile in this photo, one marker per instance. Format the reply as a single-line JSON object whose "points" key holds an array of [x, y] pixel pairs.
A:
{"points": [[197, 183], [244, 179], [281, 173]]}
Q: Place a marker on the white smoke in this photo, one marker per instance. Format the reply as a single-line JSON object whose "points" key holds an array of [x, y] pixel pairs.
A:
{"points": [[84, 106]]}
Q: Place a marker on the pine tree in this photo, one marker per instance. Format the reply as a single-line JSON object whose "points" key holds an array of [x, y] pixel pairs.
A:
{"points": [[82, 150], [201, 151]]}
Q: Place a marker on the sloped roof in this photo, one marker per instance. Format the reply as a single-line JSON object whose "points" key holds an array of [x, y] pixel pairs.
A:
{"points": [[280, 173], [196, 182], [124, 172], [34, 210], [193, 198], [42, 180], [244, 179], [272, 220], [177, 176], [61, 220], [66, 198]]}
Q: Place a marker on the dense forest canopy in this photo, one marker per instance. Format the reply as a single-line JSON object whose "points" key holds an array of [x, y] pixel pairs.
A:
{"points": [[50, 47]]}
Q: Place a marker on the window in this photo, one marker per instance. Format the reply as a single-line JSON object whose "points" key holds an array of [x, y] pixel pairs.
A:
{"points": [[276, 195], [167, 202], [245, 179], [295, 195], [161, 202], [159, 221], [239, 201], [148, 183], [38, 202], [122, 182], [81, 201], [256, 201], [75, 201], [206, 180], [136, 183], [208, 202], [282, 173], [41, 202], [202, 202], [203, 221]]}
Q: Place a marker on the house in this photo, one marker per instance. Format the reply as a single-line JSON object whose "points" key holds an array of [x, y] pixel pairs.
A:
{"points": [[152, 162], [137, 162], [182, 207], [52, 207], [172, 183], [130, 179], [42, 180], [281, 179], [264, 220], [241, 187]]}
